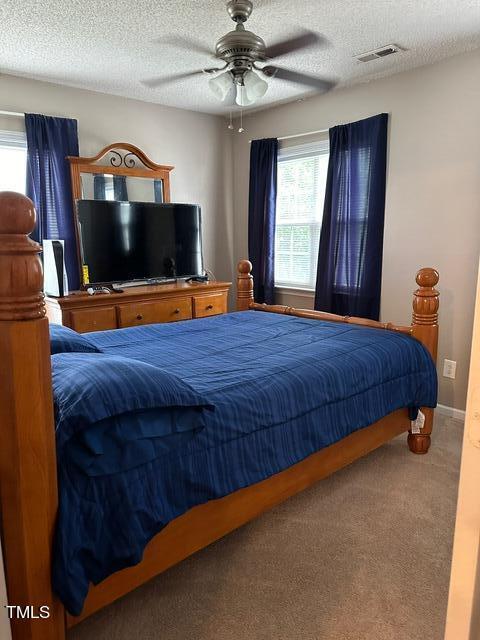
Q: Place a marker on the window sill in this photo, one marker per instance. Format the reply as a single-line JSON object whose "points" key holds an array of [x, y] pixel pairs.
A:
{"points": [[296, 291]]}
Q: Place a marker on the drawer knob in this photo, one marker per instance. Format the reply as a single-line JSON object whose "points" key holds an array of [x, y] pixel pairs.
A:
{"points": [[177, 311], [209, 307], [139, 316]]}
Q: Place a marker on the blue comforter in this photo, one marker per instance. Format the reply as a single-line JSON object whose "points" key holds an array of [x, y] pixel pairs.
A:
{"points": [[281, 387]]}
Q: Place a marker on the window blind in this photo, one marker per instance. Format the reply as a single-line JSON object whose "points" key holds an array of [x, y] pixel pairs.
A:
{"points": [[302, 171], [13, 140]]}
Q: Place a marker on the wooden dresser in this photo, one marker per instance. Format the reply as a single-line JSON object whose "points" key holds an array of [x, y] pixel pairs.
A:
{"points": [[138, 305]]}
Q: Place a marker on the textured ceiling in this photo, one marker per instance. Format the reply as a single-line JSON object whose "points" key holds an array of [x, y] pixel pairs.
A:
{"points": [[110, 46]]}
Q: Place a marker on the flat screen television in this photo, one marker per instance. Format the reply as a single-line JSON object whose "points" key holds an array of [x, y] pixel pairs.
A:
{"points": [[128, 241]]}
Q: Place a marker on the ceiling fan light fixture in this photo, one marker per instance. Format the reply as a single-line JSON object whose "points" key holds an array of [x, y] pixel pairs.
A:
{"points": [[242, 98], [221, 85], [255, 86]]}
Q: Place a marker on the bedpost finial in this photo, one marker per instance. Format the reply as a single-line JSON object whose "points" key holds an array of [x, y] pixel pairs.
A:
{"points": [[17, 214], [21, 276], [425, 298], [244, 285], [244, 266], [427, 277]]}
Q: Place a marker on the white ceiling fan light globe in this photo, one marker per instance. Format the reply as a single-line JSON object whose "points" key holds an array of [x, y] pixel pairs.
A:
{"points": [[255, 86], [221, 85], [242, 98]]}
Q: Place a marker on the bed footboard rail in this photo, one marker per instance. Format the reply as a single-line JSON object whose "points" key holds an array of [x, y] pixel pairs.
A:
{"points": [[28, 479], [424, 326], [333, 317]]}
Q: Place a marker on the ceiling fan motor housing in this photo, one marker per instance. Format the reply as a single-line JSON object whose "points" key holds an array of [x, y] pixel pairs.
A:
{"points": [[240, 49]]}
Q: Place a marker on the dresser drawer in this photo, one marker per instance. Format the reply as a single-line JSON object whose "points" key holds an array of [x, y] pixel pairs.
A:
{"points": [[209, 305], [96, 319], [131, 315]]}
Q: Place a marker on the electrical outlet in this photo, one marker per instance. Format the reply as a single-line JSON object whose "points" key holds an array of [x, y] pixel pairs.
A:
{"points": [[449, 368]]}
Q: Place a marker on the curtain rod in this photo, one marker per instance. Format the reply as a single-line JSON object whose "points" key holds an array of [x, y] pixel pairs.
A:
{"points": [[301, 135], [16, 114]]}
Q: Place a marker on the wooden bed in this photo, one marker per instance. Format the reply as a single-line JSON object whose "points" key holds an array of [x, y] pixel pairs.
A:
{"points": [[28, 479]]}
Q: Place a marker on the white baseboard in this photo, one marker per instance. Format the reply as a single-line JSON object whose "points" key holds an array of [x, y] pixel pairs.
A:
{"points": [[451, 412]]}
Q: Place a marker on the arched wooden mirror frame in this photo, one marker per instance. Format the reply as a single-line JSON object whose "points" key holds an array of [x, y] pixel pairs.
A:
{"points": [[119, 158]]}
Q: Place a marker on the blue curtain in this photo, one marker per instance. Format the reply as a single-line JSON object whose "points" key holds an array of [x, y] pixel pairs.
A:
{"points": [[120, 188], [351, 240], [261, 216], [49, 142], [99, 187]]}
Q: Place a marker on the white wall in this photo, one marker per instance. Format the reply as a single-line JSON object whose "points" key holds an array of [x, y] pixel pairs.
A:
{"points": [[432, 215], [195, 144]]}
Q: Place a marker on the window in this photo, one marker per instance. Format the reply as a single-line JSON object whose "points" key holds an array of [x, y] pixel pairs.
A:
{"points": [[13, 161], [301, 178]]}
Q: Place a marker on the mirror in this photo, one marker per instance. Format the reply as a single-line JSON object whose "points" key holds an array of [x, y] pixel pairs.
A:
{"points": [[107, 186], [121, 171]]}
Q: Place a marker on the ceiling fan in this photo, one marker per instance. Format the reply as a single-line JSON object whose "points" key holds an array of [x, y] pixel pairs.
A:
{"points": [[240, 79]]}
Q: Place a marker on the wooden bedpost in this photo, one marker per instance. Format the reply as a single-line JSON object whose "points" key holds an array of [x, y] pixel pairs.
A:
{"points": [[425, 329], [28, 477], [244, 285]]}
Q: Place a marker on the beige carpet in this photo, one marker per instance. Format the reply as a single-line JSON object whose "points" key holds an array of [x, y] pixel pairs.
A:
{"points": [[363, 555]]}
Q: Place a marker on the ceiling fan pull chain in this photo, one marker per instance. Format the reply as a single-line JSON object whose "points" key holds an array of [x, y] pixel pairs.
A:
{"points": [[230, 124], [241, 129]]}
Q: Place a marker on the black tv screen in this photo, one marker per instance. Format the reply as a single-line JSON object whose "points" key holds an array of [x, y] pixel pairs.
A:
{"points": [[125, 241]]}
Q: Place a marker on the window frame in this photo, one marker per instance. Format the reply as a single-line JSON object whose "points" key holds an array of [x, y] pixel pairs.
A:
{"points": [[310, 149]]}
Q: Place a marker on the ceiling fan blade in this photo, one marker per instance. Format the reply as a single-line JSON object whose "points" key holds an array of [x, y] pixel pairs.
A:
{"points": [[301, 40], [157, 82], [299, 78], [185, 42]]}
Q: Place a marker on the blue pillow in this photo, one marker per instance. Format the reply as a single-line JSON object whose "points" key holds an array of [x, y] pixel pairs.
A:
{"points": [[65, 340], [89, 388]]}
